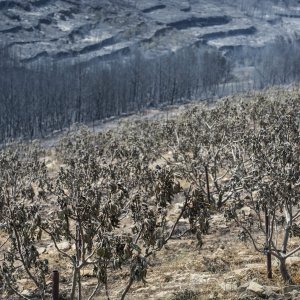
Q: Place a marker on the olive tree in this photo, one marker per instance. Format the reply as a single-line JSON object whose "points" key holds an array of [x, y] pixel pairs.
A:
{"points": [[269, 180], [21, 187], [101, 188]]}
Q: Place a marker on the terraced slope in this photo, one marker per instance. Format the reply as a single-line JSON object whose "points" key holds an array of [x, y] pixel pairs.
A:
{"points": [[106, 29]]}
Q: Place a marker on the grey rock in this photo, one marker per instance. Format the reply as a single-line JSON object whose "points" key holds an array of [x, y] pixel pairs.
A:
{"points": [[242, 288], [41, 250], [229, 286], [256, 288], [293, 295], [64, 246], [291, 288], [247, 295], [274, 289], [26, 293]]}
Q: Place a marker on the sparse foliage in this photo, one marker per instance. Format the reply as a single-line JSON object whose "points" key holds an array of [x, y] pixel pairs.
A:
{"points": [[114, 195]]}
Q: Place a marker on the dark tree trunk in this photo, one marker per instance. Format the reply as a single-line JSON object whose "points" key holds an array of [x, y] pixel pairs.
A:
{"points": [[284, 272]]}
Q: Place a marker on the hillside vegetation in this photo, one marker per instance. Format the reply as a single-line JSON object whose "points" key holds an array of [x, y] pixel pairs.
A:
{"points": [[188, 207]]}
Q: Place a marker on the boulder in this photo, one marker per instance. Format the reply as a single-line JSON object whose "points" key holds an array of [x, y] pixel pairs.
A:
{"points": [[256, 288], [41, 250], [247, 295], [26, 293], [242, 288], [291, 288], [228, 286], [293, 295], [64, 246]]}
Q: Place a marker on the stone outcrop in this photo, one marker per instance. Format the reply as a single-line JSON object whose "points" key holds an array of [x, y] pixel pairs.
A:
{"points": [[254, 290]]}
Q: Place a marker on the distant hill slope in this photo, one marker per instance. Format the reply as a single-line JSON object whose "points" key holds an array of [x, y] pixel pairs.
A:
{"points": [[106, 29]]}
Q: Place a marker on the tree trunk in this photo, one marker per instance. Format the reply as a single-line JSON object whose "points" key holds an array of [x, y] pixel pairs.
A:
{"points": [[284, 272], [74, 281], [79, 285], [127, 289]]}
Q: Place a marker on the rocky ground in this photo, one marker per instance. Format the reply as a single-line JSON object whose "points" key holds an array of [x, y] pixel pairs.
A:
{"points": [[106, 29]]}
